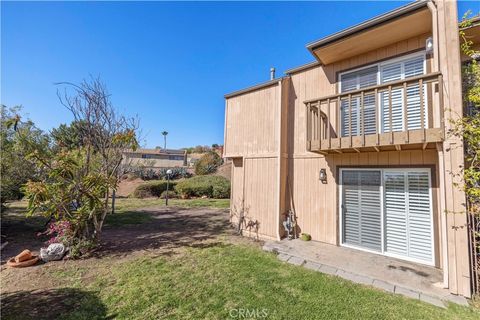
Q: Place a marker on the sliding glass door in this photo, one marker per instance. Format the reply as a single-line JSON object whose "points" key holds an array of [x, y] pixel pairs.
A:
{"points": [[388, 211]]}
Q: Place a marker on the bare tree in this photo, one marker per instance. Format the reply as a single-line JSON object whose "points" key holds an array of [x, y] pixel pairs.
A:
{"points": [[105, 135]]}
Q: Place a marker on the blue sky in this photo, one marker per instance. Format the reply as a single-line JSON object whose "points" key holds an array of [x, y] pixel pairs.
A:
{"points": [[169, 63]]}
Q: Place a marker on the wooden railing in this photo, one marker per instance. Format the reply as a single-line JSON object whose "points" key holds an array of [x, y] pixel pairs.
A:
{"points": [[324, 118]]}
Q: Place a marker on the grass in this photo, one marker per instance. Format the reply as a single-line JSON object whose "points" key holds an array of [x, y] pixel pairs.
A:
{"points": [[217, 281], [126, 211], [132, 203]]}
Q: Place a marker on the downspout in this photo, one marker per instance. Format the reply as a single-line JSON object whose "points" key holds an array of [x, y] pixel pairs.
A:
{"points": [[441, 165], [279, 166]]}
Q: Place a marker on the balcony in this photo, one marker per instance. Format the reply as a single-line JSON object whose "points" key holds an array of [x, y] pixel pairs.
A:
{"points": [[397, 115]]}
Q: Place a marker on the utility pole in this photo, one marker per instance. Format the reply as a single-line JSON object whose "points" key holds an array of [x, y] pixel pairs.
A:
{"points": [[164, 133]]}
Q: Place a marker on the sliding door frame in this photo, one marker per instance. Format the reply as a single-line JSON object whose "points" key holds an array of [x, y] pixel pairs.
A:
{"points": [[383, 220]]}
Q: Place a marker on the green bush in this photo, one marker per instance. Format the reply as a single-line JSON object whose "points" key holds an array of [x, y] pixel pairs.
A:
{"points": [[208, 163], [305, 237], [209, 186], [152, 189]]}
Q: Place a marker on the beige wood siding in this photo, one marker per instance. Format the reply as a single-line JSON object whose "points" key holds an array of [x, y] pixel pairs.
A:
{"points": [[236, 198], [259, 198], [254, 128], [452, 153], [252, 123]]}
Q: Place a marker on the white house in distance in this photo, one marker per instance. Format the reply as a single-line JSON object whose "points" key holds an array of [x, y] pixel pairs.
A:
{"points": [[156, 159]]}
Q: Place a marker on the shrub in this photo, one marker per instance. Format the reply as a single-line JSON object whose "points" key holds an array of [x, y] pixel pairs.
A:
{"points": [[208, 163], [152, 189], [209, 186], [177, 173], [171, 194], [305, 237]]}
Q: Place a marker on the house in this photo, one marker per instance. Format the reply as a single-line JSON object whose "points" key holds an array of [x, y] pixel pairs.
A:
{"points": [[155, 159], [356, 143]]}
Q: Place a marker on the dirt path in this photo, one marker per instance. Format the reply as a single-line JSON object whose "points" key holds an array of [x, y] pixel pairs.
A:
{"points": [[169, 230]]}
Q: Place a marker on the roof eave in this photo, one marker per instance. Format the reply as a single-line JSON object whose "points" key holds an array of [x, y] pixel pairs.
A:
{"points": [[366, 25], [253, 88]]}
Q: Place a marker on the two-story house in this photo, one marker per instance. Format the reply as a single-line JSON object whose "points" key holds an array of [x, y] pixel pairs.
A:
{"points": [[356, 143]]}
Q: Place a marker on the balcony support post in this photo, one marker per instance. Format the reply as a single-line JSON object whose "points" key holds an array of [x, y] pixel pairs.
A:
{"points": [[422, 109], [405, 112], [350, 118], [377, 117], [307, 127], [328, 125], [362, 106], [390, 113]]}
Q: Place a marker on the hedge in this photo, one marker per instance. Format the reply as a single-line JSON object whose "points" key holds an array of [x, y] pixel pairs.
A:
{"points": [[210, 186], [152, 189]]}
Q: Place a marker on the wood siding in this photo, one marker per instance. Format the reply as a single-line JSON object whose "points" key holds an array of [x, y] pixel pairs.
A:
{"points": [[266, 129], [259, 197], [252, 123], [236, 198]]}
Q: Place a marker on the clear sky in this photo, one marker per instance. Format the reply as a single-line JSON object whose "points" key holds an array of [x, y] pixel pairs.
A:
{"points": [[170, 63]]}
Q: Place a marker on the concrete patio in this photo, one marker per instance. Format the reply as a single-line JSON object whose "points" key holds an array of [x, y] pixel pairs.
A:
{"points": [[393, 275]]}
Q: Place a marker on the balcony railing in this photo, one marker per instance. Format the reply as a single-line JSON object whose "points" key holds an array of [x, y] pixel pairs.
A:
{"points": [[381, 117]]}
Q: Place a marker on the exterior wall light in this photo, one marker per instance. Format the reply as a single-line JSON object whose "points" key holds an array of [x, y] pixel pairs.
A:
{"points": [[429, 45], [323, 175]]}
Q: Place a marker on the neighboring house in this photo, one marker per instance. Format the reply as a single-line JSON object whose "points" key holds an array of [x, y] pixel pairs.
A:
{"points": [[356, 143], [155, 158]]}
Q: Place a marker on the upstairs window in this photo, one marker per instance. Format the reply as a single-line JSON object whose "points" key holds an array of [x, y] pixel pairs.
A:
{"points": [[391, 70]]}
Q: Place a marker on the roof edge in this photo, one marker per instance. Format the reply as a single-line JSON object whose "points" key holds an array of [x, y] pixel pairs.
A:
{"points": [[253, 88], [303, 67], [368, 24]]}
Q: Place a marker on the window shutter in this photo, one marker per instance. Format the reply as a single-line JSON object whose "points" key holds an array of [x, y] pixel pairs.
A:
{"points": [[407, 215], [419, 216], [397, 71], [353, 81], [361, 209], [351, 208], [395, 213], [388, 73]]}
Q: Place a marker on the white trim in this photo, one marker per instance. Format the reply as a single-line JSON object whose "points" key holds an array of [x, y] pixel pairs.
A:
{"points": [[382, 63], [383, 250]]}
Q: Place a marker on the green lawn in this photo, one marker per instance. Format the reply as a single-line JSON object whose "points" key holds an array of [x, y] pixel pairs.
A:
{"points": [[132, 203], [127, 209], [215, 282], [216, 279]]}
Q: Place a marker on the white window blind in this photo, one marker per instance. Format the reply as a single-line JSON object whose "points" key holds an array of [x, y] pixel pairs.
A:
{"points": [[407, 215], [353, 81], [362, 209], [351, 124], [398, 71]]}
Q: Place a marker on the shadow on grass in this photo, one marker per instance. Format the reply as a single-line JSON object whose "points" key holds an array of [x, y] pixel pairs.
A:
{"points": [[20, 231], [53, 304], [127, 217], [168, 228]]}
